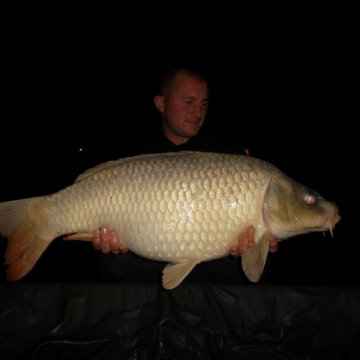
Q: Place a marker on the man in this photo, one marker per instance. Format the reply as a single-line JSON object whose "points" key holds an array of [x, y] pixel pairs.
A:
{"points": [[183, 104]]}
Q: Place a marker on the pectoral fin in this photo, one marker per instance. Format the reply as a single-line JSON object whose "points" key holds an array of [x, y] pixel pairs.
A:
{"points": [[175, 273], [254, 258]]}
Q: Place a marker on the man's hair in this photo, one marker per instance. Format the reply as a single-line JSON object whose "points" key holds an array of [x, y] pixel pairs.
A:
{"points": [[168, 79]]}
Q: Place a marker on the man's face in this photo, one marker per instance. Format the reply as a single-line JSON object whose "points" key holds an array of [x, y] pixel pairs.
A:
{"points": [[184, 109]]}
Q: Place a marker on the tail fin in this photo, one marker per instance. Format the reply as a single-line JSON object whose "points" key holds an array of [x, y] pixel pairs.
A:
{"points": [[24, 247]]}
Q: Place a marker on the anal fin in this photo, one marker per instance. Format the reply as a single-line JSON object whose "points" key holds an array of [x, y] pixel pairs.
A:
{"points": [[84, 236]]}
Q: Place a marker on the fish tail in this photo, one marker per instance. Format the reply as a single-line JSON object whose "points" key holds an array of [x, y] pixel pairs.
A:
{"points": [[24, 245]]}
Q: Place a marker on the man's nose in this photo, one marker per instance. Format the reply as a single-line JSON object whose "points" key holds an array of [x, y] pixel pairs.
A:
{"points": [[198, 110]]}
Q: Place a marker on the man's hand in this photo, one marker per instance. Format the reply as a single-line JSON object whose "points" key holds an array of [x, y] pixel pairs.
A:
{"points": [[246, 240], [108, 240]]}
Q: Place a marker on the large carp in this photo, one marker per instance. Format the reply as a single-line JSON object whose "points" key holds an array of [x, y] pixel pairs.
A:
{"points": [[182, 208]]}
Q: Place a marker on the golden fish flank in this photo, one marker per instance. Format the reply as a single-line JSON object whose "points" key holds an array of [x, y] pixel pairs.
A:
{"points": [[182, 208]]}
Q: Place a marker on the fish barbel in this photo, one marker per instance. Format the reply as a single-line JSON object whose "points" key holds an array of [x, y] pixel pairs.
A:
{"points": [[181, 208]]}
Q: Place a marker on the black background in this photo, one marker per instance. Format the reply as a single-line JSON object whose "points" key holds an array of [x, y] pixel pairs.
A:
{"points": [[288, 92]]}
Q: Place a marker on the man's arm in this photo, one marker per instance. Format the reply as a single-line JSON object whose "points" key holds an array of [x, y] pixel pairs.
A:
{"points": [[108, 240]]}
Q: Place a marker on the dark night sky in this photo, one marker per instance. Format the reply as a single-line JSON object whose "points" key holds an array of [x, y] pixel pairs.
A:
{"points": [[290, 102]]}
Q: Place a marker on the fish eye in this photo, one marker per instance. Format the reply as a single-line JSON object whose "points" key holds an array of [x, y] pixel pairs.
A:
{"points": [[310, 198]]}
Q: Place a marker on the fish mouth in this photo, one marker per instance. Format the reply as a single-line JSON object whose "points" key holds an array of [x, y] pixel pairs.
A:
{"points": [[330, 225]]}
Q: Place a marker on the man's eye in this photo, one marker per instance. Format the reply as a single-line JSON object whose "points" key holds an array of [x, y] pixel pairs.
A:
{"points": [[205, 104], [189, 102]]}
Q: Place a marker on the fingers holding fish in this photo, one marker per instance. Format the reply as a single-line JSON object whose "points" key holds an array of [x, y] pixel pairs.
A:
{"points": [[234, 251], [96, 239], [107, 240], [273, 244], [103, 239], [245, 240], [115, 243]]}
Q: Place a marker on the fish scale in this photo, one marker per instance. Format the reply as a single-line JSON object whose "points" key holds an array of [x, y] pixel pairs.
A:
{"points": [[181, 208]]}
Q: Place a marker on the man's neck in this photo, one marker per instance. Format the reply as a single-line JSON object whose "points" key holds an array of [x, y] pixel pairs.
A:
{"points": [[175, 139]]}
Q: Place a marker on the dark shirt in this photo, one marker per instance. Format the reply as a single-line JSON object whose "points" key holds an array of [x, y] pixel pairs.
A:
{"points": [[131, 268], [154, 141]]}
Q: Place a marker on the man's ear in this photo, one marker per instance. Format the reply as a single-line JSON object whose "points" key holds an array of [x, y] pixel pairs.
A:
{"points": [[159, 102]]}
